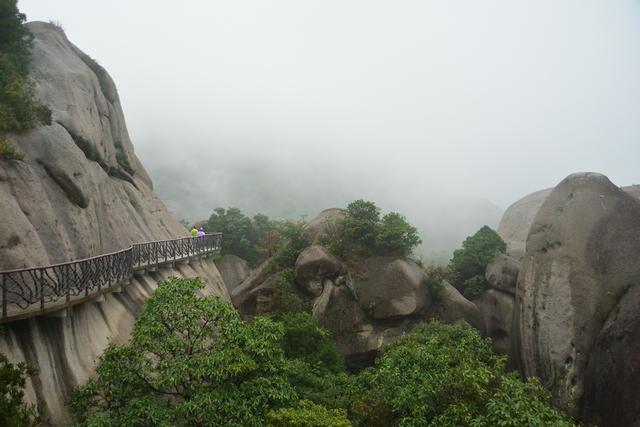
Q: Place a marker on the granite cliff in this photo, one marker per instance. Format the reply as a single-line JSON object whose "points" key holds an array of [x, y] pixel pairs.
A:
{"points": [[80, 192]]}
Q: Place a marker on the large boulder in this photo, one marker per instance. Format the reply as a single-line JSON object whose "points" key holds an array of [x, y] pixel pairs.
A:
{"points": [[81, 190], [324, 226], [450, 307], [234, 270], [357, 336], [502, 273], [575, 304], [516, 221], [313, 265], [391, 287], [497, 310]]}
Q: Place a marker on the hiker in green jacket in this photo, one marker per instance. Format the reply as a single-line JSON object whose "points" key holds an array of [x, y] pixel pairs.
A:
{"points": [[194, 232]]}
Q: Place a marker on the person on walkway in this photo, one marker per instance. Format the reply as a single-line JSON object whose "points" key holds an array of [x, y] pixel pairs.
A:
{"points": [[201, 232], [194, 232]]}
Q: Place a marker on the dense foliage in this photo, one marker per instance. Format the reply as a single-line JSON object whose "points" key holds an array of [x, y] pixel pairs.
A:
{"points": [[192, 361], [446, 375], [365, 233], [251, 239], [470, 262], [258, 238], [14, 412], [18, 108]]}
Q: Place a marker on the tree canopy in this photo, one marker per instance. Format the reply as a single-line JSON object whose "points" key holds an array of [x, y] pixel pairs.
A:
{"points": [[365, 233], [470, 262], [18, 108]]}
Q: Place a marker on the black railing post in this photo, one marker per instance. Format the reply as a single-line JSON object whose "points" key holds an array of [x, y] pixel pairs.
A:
{"points": [[4, 295]]}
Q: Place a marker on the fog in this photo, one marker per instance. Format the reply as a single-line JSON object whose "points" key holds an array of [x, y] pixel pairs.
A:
{"points": [[446, 111]]}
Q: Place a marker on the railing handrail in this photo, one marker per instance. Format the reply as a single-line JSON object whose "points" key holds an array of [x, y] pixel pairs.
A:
{"points": [[18, 270], [32, 291]]}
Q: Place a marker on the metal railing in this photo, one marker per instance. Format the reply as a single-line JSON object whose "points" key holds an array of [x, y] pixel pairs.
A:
{"points": [[31, 291]]}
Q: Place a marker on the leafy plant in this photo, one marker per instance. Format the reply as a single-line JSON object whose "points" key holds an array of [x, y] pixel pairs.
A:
{"points": [[308, 414], [8, 151], [285, 298], [191, 361], [14, 412], [365, 233], [470, 262], [446, 375], [19, 110]]}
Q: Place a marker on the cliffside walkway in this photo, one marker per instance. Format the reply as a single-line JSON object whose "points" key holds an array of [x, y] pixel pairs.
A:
{"points": [[51, 289]]}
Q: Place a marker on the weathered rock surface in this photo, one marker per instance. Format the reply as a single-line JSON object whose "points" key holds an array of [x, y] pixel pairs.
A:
{"points": [[325, 225], [452, 307], [502, 273], [80, 192], [391, 287], [515, 223], [57, 204], [313, 265], [497, 310], [576, 309], [358, 337], [65, 350], [234, 270]]}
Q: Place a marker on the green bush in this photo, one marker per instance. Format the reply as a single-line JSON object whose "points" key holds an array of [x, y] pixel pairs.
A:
{"points": [[435, 279], [14, 412], [190, 361], [295, 242], [470, 262], [474, 287], [304, 339], [285, 298], [364, 233], [446, 375], [395, 236], [19, 109], [308, 414], [8, 151]]}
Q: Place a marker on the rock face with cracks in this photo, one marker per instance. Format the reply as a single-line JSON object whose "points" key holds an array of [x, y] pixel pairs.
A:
{"points": [[80, 192], [577, 294]]}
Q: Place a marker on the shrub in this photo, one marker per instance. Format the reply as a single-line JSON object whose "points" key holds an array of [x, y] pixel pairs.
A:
{"points": [[395, 236], [285, 298], [304, 339], [474, 287], [470, 262], [364, 233], [13, 410], [434, 279], [190, 361], [8, 151], [308, 414], [237, 230], [293, 234], [446, 375], [19, 109]]}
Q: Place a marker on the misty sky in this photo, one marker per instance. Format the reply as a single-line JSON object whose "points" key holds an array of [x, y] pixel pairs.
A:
{"points": [[409, 103]]}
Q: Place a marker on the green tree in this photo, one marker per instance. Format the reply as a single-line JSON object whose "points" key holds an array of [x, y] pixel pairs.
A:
{"points": [[18, 108], [14, 412], [239, 236], [308, 414], [304, 339], [191, 361], [360, 227], [395, 236], [446, 375], [470, 262]]}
